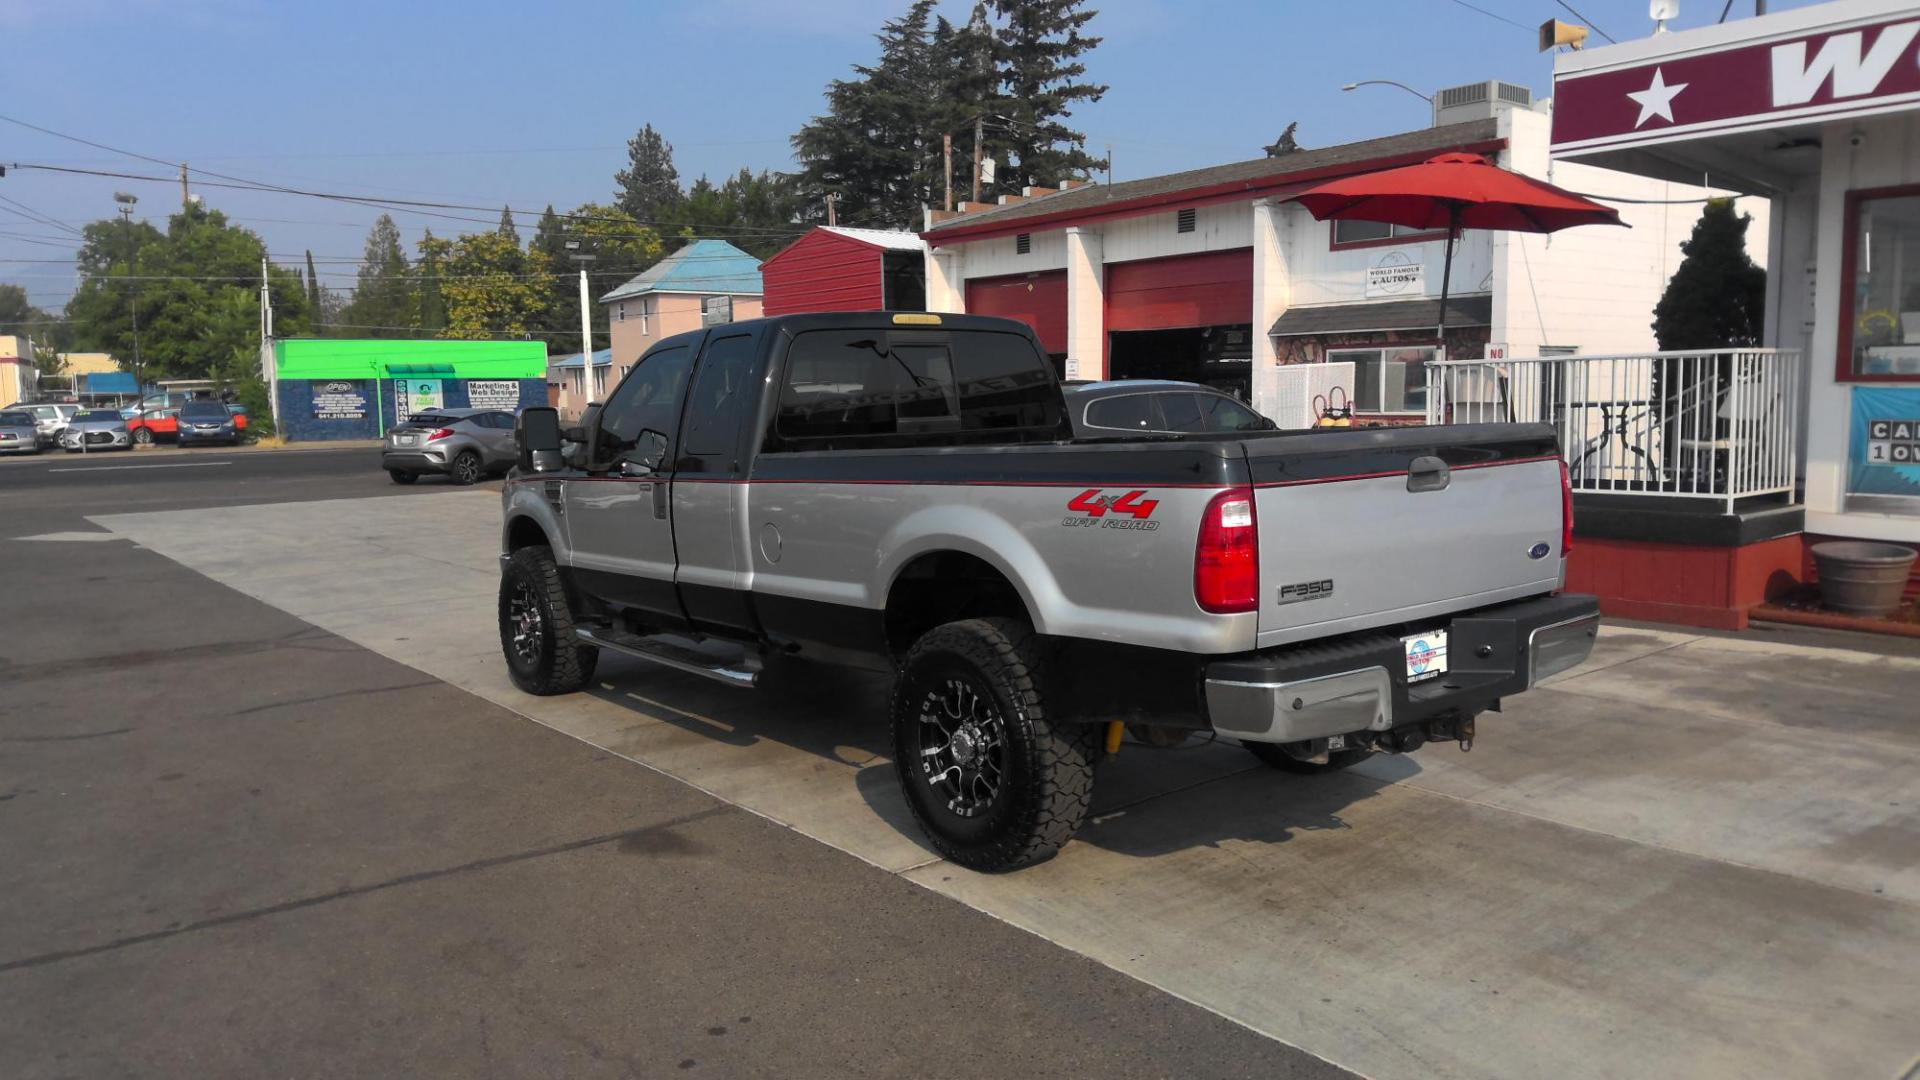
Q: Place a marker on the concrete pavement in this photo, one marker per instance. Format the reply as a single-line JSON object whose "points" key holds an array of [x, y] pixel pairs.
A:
{"points": [[1694, 855], [235, 844]]}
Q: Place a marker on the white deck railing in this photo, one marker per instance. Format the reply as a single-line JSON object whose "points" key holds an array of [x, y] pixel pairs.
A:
{"points": [[1714, 424]]}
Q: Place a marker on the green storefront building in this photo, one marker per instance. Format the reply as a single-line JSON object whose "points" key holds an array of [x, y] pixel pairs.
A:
{"points": [[357, 389]]}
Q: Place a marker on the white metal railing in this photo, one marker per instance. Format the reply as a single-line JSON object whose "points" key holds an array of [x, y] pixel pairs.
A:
{"points": [[1717, 424]]}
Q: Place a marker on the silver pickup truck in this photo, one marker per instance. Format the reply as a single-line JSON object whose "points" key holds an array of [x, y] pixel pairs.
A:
{"points": [[903, 492]]}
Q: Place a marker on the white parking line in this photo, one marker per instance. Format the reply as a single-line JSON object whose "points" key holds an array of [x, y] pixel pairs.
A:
{"points": [[117, 468]]}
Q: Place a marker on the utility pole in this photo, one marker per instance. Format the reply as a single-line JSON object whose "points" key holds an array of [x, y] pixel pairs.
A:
{"points": [[269, 369], [586, 317], [186, 197], [979, 125], [947, 141], [832, 218], [126, 202]]}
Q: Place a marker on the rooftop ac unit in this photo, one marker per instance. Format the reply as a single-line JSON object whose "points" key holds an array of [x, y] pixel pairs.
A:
{"points": [[1477, 101]]}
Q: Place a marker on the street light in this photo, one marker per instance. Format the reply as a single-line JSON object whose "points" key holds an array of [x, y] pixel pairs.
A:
{"points": [[586, 318], [126, 201], [1388, 82]]}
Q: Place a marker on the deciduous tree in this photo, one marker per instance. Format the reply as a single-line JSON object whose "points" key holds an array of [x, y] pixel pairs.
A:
{"points": [[494, 288]]}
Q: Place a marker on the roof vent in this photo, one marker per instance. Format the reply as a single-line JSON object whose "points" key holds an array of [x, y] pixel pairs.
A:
{"points": [[1023, 243], [1478, 101], [1183, 221]]}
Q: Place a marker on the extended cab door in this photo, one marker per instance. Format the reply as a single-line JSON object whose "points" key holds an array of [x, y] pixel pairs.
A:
{"points": [[619, 516], [709, 493]]}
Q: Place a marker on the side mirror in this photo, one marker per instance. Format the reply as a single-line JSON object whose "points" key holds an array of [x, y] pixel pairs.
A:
{"points": [[538, 436]]}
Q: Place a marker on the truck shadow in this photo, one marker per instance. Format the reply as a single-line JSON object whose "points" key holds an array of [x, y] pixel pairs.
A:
{"points": [[1148, 801]]}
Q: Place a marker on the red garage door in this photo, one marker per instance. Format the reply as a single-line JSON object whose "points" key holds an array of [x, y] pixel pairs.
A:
{"points": [[1039, 300], [1187, 290]]}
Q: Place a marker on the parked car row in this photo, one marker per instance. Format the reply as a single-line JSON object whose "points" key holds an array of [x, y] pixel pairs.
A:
{"points": [[170, 417]]}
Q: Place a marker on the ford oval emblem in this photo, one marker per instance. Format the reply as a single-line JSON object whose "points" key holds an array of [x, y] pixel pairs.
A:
{"points": [[1539, 550]]}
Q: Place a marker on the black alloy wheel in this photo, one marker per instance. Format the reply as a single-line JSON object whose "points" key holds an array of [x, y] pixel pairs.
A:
{"points": [[536, 627], [466, 468], [989, 777]]}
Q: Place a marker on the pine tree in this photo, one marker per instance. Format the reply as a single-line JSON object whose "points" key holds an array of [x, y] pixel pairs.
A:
{"points": [[649, 185], [382, 304], [507, 228], [1717, 297], [1041, 79], [429, 302], [878, 147], [313, 289]]}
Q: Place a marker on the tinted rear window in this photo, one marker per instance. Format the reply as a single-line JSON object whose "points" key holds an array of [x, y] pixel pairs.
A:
{"points": [[1131, 412], [904, 388]]}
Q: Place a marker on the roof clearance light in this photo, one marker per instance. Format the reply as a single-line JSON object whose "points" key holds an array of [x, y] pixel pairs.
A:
{"points": [[915, 319]]}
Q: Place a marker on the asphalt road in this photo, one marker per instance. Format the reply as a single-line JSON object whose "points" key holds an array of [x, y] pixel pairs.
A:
{"points": [[233, 844]]}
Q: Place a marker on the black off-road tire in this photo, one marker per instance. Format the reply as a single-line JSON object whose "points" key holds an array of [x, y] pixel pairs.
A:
{"points": [[560, 664], [1045, 784], [466, 468], [1285, 762], [401, 476]]}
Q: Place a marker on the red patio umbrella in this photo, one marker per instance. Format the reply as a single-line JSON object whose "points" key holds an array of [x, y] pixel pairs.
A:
{"points": [[1454, 192]]}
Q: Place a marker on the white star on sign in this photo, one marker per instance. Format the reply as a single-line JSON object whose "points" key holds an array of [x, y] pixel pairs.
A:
{"points": [[1657, 99]]}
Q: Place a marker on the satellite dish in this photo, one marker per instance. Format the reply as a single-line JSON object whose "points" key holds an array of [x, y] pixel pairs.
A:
{"points": [[1660, 11]]}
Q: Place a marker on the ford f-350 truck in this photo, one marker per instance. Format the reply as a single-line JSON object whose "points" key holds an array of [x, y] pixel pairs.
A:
{"points": [[903, 492]]}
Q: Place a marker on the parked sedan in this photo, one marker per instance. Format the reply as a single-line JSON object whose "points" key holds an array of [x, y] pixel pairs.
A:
{"points": [[461, 444], [51, 417], [1156, 407], [97, 429], [19, 432], [206, 421]]}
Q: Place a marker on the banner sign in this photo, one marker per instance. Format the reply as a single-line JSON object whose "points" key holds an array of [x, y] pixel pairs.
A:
{"points": [[494, 394], [339, 399], [1828, 72], [417, 396], [1885, 455]]}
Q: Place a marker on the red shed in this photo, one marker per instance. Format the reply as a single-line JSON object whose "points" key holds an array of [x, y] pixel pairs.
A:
{"points": [[835, 268]]}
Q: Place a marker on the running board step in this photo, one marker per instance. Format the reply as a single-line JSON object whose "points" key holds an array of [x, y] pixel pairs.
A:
{"points": [[731, 665]]}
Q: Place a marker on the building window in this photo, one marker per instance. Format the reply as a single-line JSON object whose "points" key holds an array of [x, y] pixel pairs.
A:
{"points": [[1388, 380], [620, 311], [1184, 220], [1880, 338], [1373, 233], [1023, 243], [646, 305]]}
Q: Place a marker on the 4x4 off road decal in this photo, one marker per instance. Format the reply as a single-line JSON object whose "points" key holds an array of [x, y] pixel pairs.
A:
{"points": [[1129, 510]]}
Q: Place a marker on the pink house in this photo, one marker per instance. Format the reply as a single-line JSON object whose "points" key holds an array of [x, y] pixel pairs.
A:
{"points": [[675, 294]]}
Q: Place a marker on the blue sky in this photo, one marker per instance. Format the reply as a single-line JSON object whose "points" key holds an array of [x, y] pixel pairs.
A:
{"points": [[490, 103]]}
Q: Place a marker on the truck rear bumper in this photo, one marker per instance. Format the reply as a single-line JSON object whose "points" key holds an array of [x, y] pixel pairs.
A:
{"points": [[1359, 683]]}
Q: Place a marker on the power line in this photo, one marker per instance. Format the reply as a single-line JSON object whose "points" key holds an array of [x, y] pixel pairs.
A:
{"points": [[28, 212], [416, 206], [1584, 21], [1492, 15]]}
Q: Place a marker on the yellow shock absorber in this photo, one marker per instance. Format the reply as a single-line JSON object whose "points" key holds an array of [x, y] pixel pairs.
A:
{"points": [[1116, 730]]}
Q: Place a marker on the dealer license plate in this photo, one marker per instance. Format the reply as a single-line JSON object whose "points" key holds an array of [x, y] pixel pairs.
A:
{"points": [[403, 440], [1426, 654]]}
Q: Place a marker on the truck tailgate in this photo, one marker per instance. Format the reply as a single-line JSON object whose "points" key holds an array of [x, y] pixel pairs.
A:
{"points": [[1370, 527]]}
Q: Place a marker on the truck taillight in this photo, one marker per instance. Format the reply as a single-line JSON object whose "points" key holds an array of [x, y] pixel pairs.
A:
{"points": [[442, 433], [1226, 561], [1566, 510]]}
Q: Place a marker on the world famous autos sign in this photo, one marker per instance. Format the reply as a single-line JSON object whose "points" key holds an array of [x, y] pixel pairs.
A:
{"points": [[1753, 74]]}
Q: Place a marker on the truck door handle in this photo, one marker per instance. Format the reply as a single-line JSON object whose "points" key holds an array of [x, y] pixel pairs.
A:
{"points": [[660, 500], [1428, 473]]}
